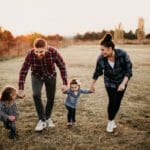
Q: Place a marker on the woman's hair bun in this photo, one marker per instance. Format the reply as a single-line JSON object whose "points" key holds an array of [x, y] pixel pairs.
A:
{"points": [[108, 37]]}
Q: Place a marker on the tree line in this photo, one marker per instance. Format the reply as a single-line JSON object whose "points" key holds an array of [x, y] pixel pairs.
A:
{"points": [[91, 36], [7, 39]]}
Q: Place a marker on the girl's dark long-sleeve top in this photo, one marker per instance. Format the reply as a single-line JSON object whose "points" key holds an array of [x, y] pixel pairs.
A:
{"points": [[72, 98], [7, 110], [43, 67], [114, 76]]}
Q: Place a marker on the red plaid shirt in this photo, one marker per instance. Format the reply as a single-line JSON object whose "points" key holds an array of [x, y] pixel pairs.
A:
{"points": [[43, 67]]}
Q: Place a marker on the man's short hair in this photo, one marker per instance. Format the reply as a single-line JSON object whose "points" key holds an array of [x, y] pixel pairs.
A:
{"points": [[40, 43]]}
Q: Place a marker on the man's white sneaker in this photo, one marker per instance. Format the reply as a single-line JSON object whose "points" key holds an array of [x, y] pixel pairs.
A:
{"points": [[50, 123], [110, 126], [40, 125]]}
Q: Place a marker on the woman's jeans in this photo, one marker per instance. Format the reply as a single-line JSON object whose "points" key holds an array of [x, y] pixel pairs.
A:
{"points": [[115, 98]]}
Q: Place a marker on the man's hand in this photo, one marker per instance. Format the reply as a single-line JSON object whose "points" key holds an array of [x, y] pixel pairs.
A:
{"points": [[64, 88], [21, 94], [121, 87], [11, 118]]}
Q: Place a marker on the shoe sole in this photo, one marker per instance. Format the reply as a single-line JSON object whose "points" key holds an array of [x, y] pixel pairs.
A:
{"points": [[109, 131], [50, 126], [40, 130]]}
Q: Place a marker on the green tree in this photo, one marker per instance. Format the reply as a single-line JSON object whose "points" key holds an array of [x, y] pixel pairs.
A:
{"points": [[130, 35]]}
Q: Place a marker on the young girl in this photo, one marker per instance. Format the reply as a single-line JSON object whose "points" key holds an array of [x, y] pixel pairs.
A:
{"points": [[8, 110], [73, 94]]}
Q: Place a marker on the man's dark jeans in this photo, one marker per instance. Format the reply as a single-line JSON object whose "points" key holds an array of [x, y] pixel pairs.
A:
{"points": [[50, 86]]}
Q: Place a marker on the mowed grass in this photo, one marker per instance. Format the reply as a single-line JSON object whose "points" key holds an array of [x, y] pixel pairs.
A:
{"points": [[133, 119]]}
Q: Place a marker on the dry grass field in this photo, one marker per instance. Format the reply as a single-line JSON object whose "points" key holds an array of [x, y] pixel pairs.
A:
{"points": [[133, 119]]}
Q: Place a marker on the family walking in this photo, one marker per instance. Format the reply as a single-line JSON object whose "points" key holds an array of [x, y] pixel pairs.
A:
{"points": [[114, 64]]}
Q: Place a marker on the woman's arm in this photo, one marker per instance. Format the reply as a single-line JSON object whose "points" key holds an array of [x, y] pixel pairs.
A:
{"points": [[123, 84], [98, 72], [92, 86], [128, 66], [128, 72]]}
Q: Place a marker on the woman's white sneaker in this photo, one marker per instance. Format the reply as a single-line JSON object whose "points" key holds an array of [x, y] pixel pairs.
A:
{"points": [[114, 125], [40, 125], [110, 126], [50, 123]]}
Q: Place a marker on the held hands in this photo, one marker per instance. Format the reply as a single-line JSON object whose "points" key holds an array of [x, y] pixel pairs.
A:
{"points": [[92, 88], [121, 87], [11, 118], [21, 94], [64, 88]]}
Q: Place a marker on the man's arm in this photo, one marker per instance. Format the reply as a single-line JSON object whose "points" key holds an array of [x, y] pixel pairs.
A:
{"points": [[24, 71], [62, 67]]}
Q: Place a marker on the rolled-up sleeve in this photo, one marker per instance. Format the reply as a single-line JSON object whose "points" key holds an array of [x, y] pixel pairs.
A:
{"points": [[24, 71], [99, 68], [62, 66], [128, 66]]}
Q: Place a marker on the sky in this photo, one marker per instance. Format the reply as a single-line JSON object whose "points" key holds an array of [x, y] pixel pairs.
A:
{"points": [[69, 17]]}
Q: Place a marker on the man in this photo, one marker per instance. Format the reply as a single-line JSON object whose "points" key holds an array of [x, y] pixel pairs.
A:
{"points": [[42, 60]]}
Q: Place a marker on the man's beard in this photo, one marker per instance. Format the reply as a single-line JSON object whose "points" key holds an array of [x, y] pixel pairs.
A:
{"points": [[40, 57]]}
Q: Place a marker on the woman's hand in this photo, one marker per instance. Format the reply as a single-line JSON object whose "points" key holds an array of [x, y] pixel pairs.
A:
{"points": [[121, 87], [92, 88], [11, 118], [123, 84]]}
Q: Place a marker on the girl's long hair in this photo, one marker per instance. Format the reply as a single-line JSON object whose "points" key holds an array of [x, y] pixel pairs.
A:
{"points": [[6, 94]]}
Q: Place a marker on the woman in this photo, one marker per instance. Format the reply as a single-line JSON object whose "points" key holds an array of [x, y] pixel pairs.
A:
{"points": [[117, 69]]}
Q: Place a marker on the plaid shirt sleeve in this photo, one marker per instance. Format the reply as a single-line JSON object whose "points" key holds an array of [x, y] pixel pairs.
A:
{"points": [[128, 72], [61, 65], [24, 71], [128, 66]]}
